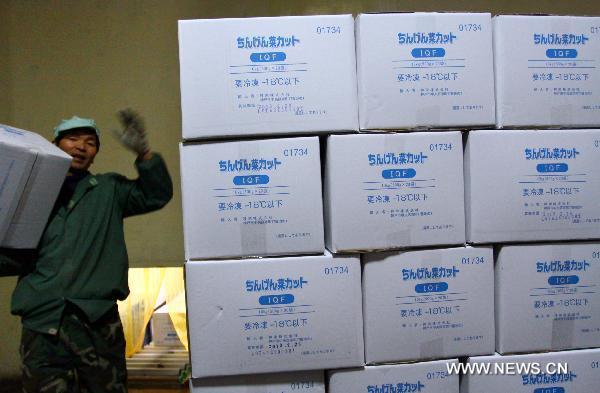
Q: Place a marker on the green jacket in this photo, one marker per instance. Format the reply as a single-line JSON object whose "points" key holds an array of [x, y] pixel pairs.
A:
{"points": [[81, 257]]}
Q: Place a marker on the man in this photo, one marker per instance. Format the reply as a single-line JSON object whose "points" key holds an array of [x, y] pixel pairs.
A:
{"points": [[72, 338]]}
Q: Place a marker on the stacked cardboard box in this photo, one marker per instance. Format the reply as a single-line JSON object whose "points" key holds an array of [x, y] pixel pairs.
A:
{"points": [[420, 75], [542, 186], [546, 71], [547, 297], [425, 70], [430, 377], [267, 76], [570, 371], [549, 182], [274, 314], [428, 304], [246, 198], [266, 304], [308, 381], [394, 190]]}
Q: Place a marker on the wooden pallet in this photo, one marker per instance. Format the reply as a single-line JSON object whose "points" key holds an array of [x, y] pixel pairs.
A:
{"points": [[156, 366]]}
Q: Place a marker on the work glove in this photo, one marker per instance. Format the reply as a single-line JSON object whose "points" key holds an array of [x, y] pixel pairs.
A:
{"points": [[133, 136]]}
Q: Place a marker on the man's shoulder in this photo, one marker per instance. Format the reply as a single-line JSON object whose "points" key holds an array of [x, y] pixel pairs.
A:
{"points": [[107, 178]]}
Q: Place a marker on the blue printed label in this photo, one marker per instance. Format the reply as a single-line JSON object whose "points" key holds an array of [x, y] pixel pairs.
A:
{"points": [[563, 280], [250, 180], [407, 173], [561, 53], [431, 287], [554, 389], [267, 57], [419, 53], [552, 168], [270, 300]]}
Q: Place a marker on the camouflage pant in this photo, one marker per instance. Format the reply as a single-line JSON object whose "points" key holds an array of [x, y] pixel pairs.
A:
{"points": [[83, 357]]}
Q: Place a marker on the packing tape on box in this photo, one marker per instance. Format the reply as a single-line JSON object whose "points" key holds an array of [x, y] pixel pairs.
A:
{"points": [[429, 115], [8, 192], [433, 259], [394, 142], [425, 22], [401, 235], [15, 171], [13, 235], [399, 238], [253, 230], [561, 252], [561, 24], [434, 348], [563, 330], [561, 114]]}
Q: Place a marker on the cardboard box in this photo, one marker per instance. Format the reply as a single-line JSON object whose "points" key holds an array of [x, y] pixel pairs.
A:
{"points": [[309, 382], [428, 377], [274, 314], [14, 172], [32, 171], [425, 69], [546, 73], [546, 297], [532, 185], [428, 304], [536, 373], [394, 190], [252, 198], [283, 75], [163, 331]]}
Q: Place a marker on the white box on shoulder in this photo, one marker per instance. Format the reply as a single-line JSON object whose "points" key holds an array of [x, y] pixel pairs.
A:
{"points": [[274, 314], [426, 377], [535, 373], [532, 185], [32, 171], [425, 69], [305, 382], [252, 198], [428, 304], [547, 297], [281, 75], [399, 190], [547, 72]]}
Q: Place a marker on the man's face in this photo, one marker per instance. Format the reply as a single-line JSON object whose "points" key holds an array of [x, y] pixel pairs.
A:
{"points": [[82, 145]]}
